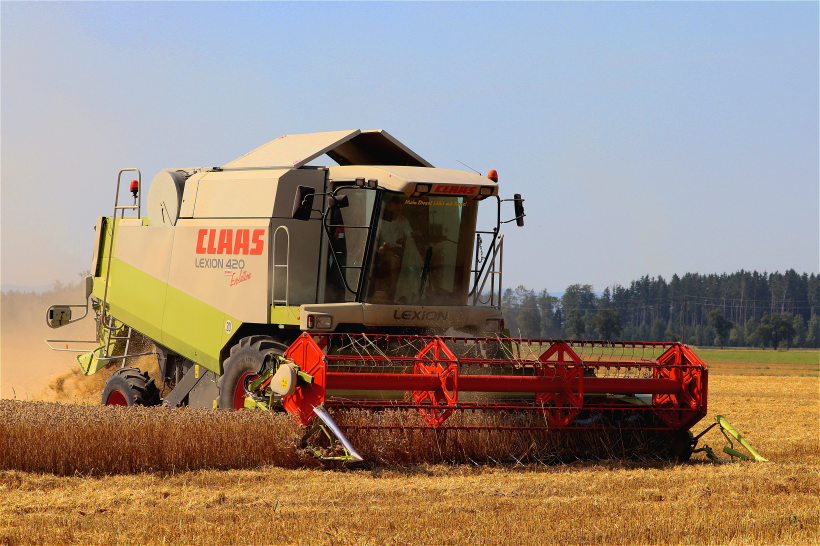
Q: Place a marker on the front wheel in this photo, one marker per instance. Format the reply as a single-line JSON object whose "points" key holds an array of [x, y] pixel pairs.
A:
{"points": [[247, 358], [130, 387]]}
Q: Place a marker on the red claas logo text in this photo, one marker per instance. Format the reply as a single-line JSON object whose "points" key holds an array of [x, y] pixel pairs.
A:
{"points": [[457, 190], [230, 241]]}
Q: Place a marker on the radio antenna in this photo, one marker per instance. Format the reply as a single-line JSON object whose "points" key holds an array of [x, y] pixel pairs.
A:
{"points": [[472, 169]]}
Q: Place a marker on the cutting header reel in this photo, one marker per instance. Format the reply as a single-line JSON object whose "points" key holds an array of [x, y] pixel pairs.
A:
{"points": [[485, 384]]}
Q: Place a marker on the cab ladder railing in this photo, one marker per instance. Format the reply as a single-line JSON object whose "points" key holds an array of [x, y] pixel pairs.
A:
{"points": [[117, 207], [495, 256]]}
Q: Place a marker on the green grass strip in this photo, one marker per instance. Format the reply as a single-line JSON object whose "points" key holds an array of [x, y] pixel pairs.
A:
{"points": [[793, 357]]}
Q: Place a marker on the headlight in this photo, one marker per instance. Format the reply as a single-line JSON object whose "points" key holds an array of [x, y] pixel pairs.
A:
{"points": [[324, 322], [421, 190], [494, 326]]}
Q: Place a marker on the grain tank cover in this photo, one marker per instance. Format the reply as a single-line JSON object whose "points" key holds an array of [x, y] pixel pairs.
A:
{"points": [[344, 147], [165, 198]]}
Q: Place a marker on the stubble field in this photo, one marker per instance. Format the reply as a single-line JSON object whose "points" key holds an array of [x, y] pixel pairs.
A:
{"points": [[631, 501]]}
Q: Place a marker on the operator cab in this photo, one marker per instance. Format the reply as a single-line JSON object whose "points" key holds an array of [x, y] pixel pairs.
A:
{"points": [[420, 248]]}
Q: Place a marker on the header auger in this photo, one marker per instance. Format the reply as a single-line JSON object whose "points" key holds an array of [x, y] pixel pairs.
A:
{"points": [[356, 289]]}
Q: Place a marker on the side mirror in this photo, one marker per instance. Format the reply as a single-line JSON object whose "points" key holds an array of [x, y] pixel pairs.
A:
{"points": [[58, 315], [89, 286], [337, 202], [519, 209], [303, 203]]}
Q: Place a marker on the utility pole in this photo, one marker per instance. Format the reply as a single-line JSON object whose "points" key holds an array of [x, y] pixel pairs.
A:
{"points": [[683, 333]]}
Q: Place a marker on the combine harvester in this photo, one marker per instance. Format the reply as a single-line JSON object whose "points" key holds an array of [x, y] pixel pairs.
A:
{"points": [[271, 283]]}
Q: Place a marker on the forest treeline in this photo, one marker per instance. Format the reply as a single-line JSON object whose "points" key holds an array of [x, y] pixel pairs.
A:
{"points": [[742, 309], [26, 311]]}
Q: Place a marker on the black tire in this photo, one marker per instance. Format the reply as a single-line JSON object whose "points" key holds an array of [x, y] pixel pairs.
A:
{"points": [[130, 387], [246, 357]]}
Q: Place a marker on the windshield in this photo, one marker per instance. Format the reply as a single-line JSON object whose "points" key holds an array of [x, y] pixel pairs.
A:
{"points": [[421, 251]]}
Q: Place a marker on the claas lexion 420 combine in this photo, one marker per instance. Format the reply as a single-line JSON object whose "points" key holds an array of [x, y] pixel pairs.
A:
{"points": [[270, 283]]}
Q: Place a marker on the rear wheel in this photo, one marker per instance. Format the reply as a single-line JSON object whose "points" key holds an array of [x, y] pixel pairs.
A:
{"points": [[130, 387], [246, 359]]}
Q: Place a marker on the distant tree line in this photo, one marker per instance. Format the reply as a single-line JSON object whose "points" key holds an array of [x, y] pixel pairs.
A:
{"points": [[742, 309], [26, 311]]}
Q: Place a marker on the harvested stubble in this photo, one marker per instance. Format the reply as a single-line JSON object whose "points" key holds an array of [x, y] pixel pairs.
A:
{"points": [[748, 504]]}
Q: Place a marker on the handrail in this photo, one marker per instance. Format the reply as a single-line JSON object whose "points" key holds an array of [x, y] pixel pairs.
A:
{"points": [[497, 250], [50, 341], [286, 301], [137, 206]]}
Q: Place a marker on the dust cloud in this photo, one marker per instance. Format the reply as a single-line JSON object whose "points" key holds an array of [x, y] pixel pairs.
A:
{"points": [[29, 370]]}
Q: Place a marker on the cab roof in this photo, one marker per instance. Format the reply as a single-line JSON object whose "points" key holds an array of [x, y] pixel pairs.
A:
{"points": [[356, 147], [404, 179]]}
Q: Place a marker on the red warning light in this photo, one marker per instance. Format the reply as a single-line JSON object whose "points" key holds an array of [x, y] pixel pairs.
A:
{"points": [[135, 187], [492, 175]]}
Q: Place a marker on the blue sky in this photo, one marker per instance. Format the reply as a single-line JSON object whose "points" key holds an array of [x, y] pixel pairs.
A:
{"points": [[647, 138]]}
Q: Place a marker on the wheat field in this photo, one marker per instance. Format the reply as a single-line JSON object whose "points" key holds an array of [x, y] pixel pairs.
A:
{"points": [[294, 499], [72, 439]]}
